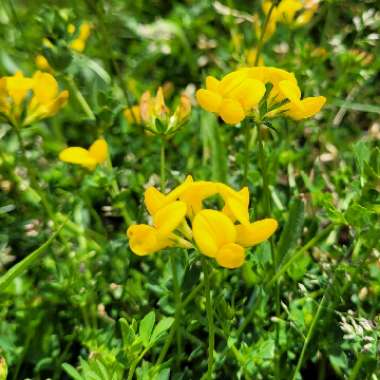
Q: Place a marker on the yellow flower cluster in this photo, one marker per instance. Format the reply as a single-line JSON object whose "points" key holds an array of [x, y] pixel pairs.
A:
{"points": [[180, 220], [240, 93], [89, 158], [25, 100], [153, 113], [295, 13], [78, 44]]}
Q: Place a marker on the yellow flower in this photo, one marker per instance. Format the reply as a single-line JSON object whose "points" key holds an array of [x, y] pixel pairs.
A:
{"points": [[78, 45], [216, 236], [88, 158], [239, 93], [42, 63], [44, 102], [156, 116], [71, 28], [220, 234], [295, 13], [132, 115], [233, 97], [47, 99]]}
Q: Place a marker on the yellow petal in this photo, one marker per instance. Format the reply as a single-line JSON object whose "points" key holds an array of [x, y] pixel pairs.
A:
{"points": [[211, 230], [77, 155], [230, 256], [236, 203], [232, 81], [45, 87], [133, 114], [209, 100], [309, 107], [249, 93], [231, 111], [56, 104], [160, 108], [41, 62], [153, 200], [99, 150], [255, 233], [290, 90], [84, 31], [144, 240], [169, 217], [287, 10], [212, 84], [78, 45], [176, 192], [18, 87]]}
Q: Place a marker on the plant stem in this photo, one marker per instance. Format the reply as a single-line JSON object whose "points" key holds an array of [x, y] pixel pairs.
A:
{"points": [[247, 136], [80, 98], [163, 163], [358, 365], [178, 308], [262, 34], [210, 319], [32, 175]]}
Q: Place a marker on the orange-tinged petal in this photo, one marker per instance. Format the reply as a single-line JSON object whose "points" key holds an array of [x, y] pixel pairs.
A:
{"points": [[231, 111], [144, 240], [309, 107], [212, 84], [77, 155], [133, 114], [230, 256], [169, 217], [99, 150], [255, 233], [153, 200], [211, 230], [209, 100]]}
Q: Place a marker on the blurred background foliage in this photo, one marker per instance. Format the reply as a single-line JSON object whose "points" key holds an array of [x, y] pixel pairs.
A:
{"points": [[88, 303]]}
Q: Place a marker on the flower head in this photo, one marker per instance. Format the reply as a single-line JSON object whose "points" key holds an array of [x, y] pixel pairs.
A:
{"points": [[89, 158], [155, 116], [180, 219], [241, 93], [37, 97]]}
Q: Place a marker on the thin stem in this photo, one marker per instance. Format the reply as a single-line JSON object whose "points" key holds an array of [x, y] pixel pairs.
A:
{"points": [[174, 327], [247, 136], [358, 365], [32, 175], [263, 30], [80, 98], [210, 319], [178, 309], [163, 163]]}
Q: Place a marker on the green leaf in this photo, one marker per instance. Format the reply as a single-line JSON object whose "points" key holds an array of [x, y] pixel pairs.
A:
{"points": [[146, 328], [161, 327], [71, 371], [357, 106], [25, 263], [127, 332], [293, 227]]}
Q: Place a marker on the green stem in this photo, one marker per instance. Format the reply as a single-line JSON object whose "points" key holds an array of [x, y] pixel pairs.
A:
{"points": [[358, 365], [28, 261], [32, 175], [178, 309], [247, 136], [132, 369], [262, 34], [210, 319], [163, 163], [80, 98]]}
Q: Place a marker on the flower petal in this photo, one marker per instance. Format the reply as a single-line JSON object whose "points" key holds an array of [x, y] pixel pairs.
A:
{"points": [[153, 200], [230, 256], [231, 111], [99, 150], [45, 87], [211, 230], [77, 155], [144, 240], [169, 217], [290, 90], [212, 84], [249, 93], [209, 100], [309, 107], [255, 233]]}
